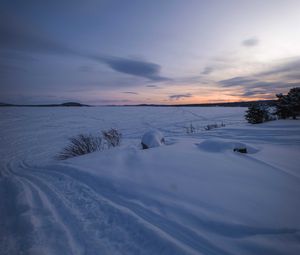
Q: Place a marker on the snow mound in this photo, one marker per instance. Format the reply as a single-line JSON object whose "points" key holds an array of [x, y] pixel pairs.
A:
{"points": [[152, 139], [218, 145]]}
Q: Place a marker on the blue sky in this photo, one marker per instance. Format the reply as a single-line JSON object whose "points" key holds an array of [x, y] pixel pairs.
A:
{"points": [[128, 52]]}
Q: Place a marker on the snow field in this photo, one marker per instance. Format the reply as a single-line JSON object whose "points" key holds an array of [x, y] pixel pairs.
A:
{"points": [[191, 196]]}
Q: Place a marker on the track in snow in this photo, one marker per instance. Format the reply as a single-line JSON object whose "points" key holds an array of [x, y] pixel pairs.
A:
{"points": [[69, 216], [66, 211]]}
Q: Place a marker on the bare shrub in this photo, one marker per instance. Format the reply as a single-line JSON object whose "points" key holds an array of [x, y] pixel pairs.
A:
{"points": [[210, 127], [213, 126], [80, 145], [191, 129], [112, 137]]}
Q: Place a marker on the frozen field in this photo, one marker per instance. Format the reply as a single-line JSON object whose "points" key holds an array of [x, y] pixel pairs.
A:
{"points": [[192, 196]]}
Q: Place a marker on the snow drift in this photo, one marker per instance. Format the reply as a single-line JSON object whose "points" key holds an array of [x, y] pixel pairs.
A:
{"points": [[152, 139]]}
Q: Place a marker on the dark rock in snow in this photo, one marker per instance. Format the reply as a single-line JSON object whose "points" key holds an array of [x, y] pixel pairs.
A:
{"points": [[240, 150]]}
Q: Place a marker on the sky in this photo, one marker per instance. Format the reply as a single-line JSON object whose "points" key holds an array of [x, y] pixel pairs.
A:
{"points": [[106, 52]]}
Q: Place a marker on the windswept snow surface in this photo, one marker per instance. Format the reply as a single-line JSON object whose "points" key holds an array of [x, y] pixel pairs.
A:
{"points": [[193, 195]]}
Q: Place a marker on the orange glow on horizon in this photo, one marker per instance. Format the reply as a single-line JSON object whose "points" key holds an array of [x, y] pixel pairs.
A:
{"points": [[226, 99]]}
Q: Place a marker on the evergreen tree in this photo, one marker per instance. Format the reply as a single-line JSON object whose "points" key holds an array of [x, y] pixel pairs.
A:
{"points": [[289, 105], [294, 98], [283, 106], [257, 114]]}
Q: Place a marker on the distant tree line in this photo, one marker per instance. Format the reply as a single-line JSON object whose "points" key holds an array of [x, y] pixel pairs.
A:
{"points": [[286, 106]]}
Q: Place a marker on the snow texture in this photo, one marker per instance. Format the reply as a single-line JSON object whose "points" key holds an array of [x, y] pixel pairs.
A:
{"points": [[192, 196]]}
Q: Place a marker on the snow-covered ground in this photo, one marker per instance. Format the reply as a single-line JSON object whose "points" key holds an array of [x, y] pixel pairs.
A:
{"points": [[193, 195]]}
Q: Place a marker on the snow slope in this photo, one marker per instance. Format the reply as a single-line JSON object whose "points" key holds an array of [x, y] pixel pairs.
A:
{"points": [[192, 196]]}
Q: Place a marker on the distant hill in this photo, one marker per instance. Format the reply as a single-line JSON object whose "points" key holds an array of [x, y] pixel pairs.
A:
{"points": [[5, 104], [67, 104], [72, 104]]}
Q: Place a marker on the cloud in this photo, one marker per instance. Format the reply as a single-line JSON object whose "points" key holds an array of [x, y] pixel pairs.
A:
{"points": [[251, 83], [85, 69], [280, 74], [153, 86], [283, 75], [293, 76], [207, 70], [130, 92], [109, 101], [290, 67], [255, 93], [250, 42], [7, 68], [276, 79], [180, 96], [256, 88], [236, 81], [10, 55], [133, 67], [18, 36]]}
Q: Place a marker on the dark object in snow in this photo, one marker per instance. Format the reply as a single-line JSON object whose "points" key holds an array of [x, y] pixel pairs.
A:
{"points": [[144, 146], [213, 126], [112, 137], [84, 144], [240, 150], [190, 129], [80, 145], [152, 139]]}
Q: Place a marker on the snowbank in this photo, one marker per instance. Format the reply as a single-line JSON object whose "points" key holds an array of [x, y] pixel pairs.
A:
{"points": [[221, 145], [152, 139]]}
